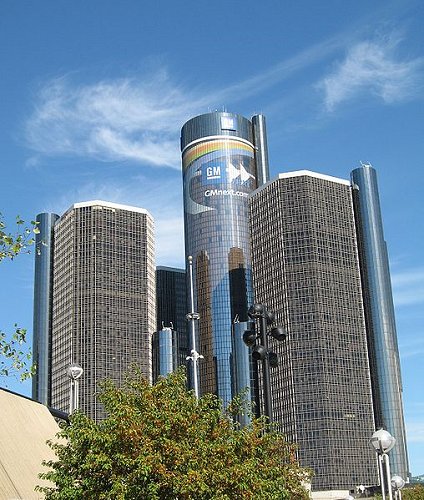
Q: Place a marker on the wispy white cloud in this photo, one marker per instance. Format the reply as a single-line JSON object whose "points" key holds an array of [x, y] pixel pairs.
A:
{"points": [[372, 67], [281, 71], [408, 287], [111, 120], [139, 118]]}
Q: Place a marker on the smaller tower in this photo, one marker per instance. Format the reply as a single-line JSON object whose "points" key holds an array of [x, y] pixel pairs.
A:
{"points": [[380, 316], [41, 381], [165, 351], [171, 310]]}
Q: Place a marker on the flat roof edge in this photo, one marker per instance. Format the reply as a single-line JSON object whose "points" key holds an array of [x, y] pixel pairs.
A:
{"points": [[309, 173]]}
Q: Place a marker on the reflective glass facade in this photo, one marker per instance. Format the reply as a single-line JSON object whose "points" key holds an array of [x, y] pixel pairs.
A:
{"points": [[384, 355], [171, 310], [219, 172], [167, 351], [306, 270], [42, 307]]}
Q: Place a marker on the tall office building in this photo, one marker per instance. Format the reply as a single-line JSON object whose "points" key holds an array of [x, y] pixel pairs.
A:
{"points": [[224, 158], [43, 282], [103, 298], [306, 270], [379, 314], [170, 342]]}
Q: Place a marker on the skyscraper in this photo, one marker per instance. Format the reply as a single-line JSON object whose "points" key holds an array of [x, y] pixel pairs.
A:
{"points": [[43, 282], [306, 270], [103, 297], [224, 158], [379, 314], [171, 334]]}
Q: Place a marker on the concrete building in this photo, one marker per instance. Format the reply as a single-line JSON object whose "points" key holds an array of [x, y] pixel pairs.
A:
{"points": [[306, 269], [103, 310]]}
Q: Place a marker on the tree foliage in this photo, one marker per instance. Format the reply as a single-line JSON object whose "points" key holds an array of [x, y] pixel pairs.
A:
{"points": [[15, 356], [159, 442], [18, 241], [410, 492], [415, 492]]}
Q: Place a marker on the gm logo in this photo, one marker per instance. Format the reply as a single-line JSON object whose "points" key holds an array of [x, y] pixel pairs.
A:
{"points": [[213, 172]]}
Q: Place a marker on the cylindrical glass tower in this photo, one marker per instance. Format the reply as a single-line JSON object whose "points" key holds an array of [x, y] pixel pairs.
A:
{"points": [[42, 307], [379, 315], [168, 351], [219, 171]]}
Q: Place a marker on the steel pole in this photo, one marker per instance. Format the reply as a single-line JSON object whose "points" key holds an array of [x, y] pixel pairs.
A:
{"points": [[71, 397], [265, 369], [76, 394], [256, 391], [389, 482], [382, 481], [194, 353]]}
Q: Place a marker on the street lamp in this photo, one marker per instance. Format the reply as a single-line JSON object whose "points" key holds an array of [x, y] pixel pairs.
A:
{"points": [[383, 442], [192, 317], [398, 483], [74, 373], [260, 350]]}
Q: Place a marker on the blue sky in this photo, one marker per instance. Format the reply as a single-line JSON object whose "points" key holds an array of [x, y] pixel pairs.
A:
{"points": [[93, 96]]}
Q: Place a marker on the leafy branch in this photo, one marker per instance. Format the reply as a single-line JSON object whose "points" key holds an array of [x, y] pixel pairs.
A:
{"points": [[15, 356], [14, 243]]}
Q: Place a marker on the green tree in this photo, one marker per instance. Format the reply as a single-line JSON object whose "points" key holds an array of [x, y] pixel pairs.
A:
{"points": [[415, 492], [410, 492], [15, 356], [14, 243], [159, 442]]}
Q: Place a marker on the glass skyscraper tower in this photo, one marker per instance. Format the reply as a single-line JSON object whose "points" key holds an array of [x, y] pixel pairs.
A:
{"points": [[380, 317], [224, 158], [43, 283], [170, 341]]}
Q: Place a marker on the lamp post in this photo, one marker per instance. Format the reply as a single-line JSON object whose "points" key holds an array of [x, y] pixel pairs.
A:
{"points": [[383, 442], [398, 483], [74, 373], [260, 351], [192, 317]]}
